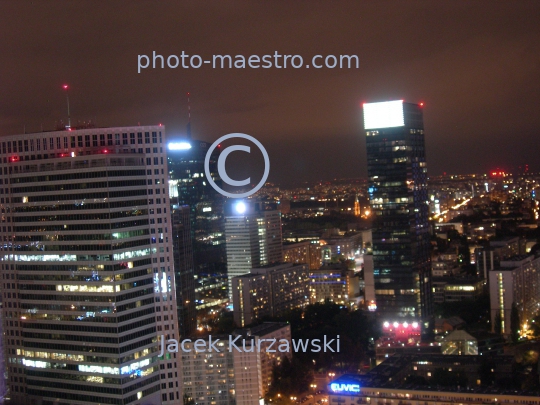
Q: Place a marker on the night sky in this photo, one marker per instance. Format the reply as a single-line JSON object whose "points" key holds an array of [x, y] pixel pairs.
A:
{"points": [[475, 65]]}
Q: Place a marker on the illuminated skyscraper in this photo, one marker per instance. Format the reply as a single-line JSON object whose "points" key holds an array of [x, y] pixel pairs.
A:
{"points": [[399, 202], [87, 267], [190, 187], [253, 237]]}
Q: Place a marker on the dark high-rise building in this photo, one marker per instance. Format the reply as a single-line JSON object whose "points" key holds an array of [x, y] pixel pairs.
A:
{"points": [[188, 184], [183, 269], [399, 201]]}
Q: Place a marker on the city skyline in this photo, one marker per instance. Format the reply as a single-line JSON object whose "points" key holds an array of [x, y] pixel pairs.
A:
{"points": [[287, 174], [473, 66]]}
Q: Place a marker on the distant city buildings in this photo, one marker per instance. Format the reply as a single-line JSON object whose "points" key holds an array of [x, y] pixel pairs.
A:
{"points": [[87, 267], [340, 246], [253, 237], [399, 203], [269, 291]]}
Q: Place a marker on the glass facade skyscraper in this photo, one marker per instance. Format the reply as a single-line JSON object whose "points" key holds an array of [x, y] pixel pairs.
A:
{"points": [[189, 187], [87, 267], [399, 201]]}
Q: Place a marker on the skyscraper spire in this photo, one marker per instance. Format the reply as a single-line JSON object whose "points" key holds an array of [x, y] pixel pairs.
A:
{"points": [[189, 117], [66, 87]]}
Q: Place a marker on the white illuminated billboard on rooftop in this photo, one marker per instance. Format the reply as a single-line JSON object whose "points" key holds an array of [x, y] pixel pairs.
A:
{"points": [[387, 114]]}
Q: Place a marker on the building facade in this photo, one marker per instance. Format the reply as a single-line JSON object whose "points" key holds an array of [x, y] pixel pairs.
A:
{"points": [[231, 376], [334, 283], [87, 267], [253, 237], [269, 291], [184, 269], [190, 187], [516, 281], [303, 252], [399, 202]]}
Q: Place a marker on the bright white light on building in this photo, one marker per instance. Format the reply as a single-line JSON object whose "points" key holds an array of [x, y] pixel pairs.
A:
{"points": [[395, 324], [387, 114], [405, 324], [415, 325], [386, 324], [179, 146], [240, 207]]}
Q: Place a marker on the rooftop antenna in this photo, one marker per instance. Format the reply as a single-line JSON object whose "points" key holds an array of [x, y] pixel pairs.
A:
{"points": [[68, 126], [189, 117]]}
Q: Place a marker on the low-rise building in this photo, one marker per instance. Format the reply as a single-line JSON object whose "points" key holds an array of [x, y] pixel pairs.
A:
{"points": [[459, 343], [416, 380], [453, 289]]}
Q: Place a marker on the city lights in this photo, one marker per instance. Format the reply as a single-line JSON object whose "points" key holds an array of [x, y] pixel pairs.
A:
{"points": [[179, 146], [240, 207]]}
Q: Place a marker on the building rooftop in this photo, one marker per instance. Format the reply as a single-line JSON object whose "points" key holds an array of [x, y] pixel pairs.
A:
{"points": [[458, 335], [261, 330], [383, 376]]}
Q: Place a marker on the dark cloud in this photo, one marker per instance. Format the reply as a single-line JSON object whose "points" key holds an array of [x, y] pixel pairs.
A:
{"points": [[474, 64]]}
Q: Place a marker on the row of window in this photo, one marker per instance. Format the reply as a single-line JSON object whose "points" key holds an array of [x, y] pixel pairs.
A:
{"points": [[49, 188], [29, 145], [77, 206], [78, 175], [80, 227], [90, 338]]}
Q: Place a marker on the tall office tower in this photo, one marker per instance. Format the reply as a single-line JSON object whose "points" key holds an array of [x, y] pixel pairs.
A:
{"points": [[87, 267], [253, 237], [183, 269], [399, 201], [188, 180]]}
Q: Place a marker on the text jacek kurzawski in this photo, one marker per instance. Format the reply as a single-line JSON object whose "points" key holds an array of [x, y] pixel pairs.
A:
{"points": [[242, 344]]}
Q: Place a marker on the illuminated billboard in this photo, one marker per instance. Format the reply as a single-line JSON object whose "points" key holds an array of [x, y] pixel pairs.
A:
{"points": [[387, 114], [344, 388]]}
